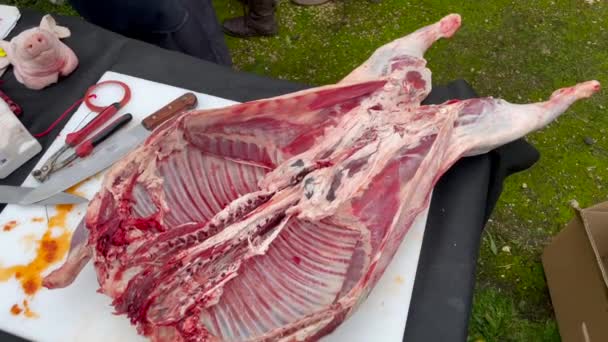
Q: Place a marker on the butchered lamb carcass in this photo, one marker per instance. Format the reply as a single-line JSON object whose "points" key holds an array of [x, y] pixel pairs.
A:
{"points": [[273, 219]]}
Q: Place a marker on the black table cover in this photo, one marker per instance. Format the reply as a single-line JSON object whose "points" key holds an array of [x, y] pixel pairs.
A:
{"points": [[462, 201]]}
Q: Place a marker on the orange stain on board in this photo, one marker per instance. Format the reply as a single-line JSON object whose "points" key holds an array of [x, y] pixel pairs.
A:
{"points": [[60, 218], [9, 226], [16, 310], [27, 311], [74, 189], [50, 249], [37, 219], [30, 242]]}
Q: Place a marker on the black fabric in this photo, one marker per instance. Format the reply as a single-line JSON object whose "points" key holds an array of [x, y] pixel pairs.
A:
{"points": [[462, 200], [507, 160], [188, 26], [132, 15]]}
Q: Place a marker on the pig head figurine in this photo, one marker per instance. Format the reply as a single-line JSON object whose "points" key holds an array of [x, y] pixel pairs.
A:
{"points": [[38, 56]]}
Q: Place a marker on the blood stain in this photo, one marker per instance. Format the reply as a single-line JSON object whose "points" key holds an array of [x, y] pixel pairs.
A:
{"points": [[9, 226]]}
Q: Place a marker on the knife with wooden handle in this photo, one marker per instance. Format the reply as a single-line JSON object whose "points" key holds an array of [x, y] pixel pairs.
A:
{"points": [[121, 144]]}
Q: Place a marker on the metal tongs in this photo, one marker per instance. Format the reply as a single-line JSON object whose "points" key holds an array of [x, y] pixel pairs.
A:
{"points": [[74, 139]]}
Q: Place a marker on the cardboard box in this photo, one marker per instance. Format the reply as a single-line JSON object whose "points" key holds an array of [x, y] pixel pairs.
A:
{"points": [[576, 264]]}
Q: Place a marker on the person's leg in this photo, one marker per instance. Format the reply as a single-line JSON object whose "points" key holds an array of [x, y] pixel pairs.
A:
{"points": [[188, 26], [132, 17], [259, 20], [201, 34]]}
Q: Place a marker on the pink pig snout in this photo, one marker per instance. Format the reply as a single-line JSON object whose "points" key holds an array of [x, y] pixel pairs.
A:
{"points": [[36, 44]]}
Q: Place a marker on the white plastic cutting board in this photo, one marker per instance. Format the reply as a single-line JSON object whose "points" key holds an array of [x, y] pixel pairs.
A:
{"points": [[79, 313]]}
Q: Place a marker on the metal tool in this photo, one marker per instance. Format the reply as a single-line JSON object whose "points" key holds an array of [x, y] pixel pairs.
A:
{"points": [[87, 147], [106, 155], [13, 194], [72, 140]]}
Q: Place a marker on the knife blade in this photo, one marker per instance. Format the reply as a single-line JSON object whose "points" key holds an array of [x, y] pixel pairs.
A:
{"points": [[106, 155], [13, 194]]}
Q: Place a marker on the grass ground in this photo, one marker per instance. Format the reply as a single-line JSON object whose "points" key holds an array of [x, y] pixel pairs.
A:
{"points": [[518, 50]]}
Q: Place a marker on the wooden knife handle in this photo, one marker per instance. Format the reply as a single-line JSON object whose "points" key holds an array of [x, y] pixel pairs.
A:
{"points": [[182, 103]]}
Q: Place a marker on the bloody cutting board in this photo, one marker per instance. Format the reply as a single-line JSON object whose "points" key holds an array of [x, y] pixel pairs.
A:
{"points": [[32, 236]]}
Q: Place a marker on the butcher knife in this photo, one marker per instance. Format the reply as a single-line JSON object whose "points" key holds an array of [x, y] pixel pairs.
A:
{"points": [[121, 144], [14, 194]]}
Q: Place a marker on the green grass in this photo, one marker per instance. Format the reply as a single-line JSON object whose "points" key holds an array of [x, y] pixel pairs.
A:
{"points": [[518, 50], [41, 5], [498, 318]]}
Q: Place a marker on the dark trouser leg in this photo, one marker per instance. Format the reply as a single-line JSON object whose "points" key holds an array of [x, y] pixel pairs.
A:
{"points": [[187, 26], [202, 34]]}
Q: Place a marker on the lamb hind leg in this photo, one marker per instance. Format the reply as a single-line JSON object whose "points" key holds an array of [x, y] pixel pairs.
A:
{"points": [[415, 45], [485, 124]]}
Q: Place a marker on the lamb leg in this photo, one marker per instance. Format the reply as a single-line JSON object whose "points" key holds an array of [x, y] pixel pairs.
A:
{"points": [[413, 45], [485, 124]]}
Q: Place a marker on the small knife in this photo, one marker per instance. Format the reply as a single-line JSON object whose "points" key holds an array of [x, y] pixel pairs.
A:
{"points": [[13, 194], [104, 156]]}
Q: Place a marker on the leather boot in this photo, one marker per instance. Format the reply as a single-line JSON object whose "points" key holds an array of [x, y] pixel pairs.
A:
{"points": [[258, 20]]}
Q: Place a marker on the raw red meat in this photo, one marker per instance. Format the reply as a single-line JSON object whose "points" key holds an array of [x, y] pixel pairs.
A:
{"points": [[273, 219]]}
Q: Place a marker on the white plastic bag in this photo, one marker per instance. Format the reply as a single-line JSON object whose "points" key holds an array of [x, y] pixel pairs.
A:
{"points": [[9, 16], [17, 145]]}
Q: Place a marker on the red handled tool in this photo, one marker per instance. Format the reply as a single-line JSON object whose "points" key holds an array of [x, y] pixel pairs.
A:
{"points": [[73, 139], [87, 147]]}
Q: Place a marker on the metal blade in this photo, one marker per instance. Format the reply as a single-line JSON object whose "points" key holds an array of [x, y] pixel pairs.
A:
{"points": [[103, 157], [13, 194]]}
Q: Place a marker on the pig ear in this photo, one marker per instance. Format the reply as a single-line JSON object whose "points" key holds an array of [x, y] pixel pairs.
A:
{"points": [[48, 23], [62, 32]]}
